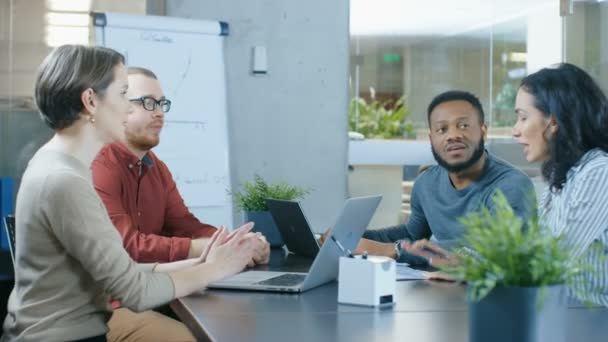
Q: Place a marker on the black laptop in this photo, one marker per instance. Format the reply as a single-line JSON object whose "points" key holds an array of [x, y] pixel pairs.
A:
{"points": [[294, 227]]}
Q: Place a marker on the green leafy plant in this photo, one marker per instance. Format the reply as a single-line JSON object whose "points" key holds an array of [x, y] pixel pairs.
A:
{"points": [[504, 105], [380, 120], [501, 254], [253, 195]]}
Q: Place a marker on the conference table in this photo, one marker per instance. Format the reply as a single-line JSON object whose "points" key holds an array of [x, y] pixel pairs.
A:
{"points": [[430, 311]]}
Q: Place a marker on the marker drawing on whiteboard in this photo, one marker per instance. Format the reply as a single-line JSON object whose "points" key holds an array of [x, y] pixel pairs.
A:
{"points": [[184, 75], [201, 125], [195, 180], [220, 179], [156, 37], [191, 179]]}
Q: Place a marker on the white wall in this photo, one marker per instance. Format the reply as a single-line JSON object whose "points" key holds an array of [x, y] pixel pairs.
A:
{"points": [[292, 123]]}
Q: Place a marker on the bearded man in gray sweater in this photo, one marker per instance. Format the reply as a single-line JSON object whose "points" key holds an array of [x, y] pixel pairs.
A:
{"points": [[466, 178]]}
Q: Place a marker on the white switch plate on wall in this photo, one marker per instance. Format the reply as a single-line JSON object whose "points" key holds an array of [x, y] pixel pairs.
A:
{"points": [[259, 65]]}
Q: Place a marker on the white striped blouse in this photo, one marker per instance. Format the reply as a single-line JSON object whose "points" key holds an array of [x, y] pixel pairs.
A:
{"points": [[580, 213]]}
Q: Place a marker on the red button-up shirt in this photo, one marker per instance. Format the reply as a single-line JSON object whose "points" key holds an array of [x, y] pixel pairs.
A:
{"points": [[145, 206]]}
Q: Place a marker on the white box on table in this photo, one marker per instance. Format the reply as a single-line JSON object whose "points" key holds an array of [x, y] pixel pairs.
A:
{"points": [[367, 281]]}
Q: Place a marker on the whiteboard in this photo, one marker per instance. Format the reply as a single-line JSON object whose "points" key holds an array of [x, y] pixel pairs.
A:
{"points": [[188, 58]]}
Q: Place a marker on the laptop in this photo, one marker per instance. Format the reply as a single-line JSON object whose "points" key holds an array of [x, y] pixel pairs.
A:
{"points": [[294, 228], [348, 229]]}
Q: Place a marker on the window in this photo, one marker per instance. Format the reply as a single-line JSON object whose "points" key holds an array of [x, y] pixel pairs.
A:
{"points": [[29, 29], [416, 49], [586, 39]]}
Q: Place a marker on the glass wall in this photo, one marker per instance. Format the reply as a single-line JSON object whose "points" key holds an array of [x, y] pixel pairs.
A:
{"points": [[405, 52], [414, 49], [586, 39]]}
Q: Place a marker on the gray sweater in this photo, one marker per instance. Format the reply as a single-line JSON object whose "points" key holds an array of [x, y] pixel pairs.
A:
{"points": [[70, 259], [436, 205]]}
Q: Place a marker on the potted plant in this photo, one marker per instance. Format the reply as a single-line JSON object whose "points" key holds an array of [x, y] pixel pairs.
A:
{"points": [[252, 200], [381, 120], [516, 279]]}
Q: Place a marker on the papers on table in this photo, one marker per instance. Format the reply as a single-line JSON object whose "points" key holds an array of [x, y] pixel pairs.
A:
{"points": [[404, 272]]}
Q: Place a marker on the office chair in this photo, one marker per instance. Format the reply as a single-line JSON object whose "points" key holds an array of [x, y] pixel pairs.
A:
{"points": [[9, 226]]}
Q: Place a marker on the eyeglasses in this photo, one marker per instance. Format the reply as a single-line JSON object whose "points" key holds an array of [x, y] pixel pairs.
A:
{"points": [[150, 103]]}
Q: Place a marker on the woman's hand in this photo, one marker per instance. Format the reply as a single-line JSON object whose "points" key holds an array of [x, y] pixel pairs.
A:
{"points": [[231, 252]]}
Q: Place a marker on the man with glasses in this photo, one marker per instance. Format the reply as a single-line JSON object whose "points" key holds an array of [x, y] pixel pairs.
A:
{"points": [[143, 202], [138, 189]]}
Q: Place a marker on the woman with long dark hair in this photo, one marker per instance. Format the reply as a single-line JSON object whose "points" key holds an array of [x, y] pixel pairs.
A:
{"points": [[562, 121]]}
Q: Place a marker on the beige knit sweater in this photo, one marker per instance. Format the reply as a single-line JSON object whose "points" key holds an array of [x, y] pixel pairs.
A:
{"points": [[70, 258]]}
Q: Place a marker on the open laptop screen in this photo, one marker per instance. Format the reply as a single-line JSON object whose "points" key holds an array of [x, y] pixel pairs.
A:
{"points": [[293, 226]]}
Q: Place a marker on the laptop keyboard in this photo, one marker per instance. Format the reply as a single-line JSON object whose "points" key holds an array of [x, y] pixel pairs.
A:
{"points": [[284, 280]]}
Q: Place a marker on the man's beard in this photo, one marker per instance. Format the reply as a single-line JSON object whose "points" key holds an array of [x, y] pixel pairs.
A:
{"points": [[141, 143], [456, 168]]}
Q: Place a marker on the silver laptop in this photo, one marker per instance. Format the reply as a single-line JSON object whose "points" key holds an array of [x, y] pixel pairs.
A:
{"points": [[348, 229]]}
